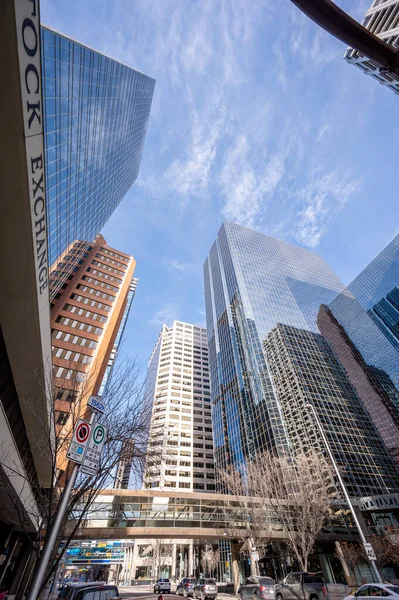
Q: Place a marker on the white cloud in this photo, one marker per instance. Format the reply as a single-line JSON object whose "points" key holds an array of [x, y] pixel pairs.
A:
{"points": [[179, 266], [246, 186], [321, 199], [164, 316], [190, 176]]}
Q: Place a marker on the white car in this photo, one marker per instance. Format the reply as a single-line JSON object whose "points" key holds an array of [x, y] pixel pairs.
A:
{"points": [[373, 590]]}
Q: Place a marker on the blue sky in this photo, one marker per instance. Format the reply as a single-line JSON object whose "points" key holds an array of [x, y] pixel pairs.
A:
{"points": [[257, 119]]}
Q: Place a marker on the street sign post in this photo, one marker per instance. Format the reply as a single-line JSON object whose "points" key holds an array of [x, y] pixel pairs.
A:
{"points": [[96, 404], [369, 551], [79, 441], [92, 455]]}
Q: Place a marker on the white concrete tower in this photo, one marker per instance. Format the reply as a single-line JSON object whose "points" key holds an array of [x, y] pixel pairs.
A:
{"points": [[382, 19], [180, 440]]}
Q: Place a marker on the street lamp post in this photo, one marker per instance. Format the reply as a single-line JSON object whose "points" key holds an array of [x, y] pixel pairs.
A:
{"points": [[342, 484]]}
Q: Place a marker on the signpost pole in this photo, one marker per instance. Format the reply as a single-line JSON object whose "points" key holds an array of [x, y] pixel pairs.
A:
{"points": [[366, 545], [45, 557], [63, 504]]}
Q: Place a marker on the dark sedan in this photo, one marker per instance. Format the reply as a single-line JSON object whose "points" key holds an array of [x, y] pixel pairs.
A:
{"points": [[186, 587], [257, 588]]}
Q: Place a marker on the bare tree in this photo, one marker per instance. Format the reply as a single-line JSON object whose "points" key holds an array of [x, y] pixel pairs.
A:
{"points": [[159, 552], [210, 557], [251, 512], [386, 548], [300, 490], [127, 417], [296, 491], [352, 554]]}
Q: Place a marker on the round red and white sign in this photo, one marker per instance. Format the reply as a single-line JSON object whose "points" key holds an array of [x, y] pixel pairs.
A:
{"points": [[82, 432]]}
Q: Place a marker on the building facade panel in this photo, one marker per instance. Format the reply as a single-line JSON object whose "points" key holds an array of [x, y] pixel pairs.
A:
{"points": [[85, 321], [305, 370], [96, 113], [255, 285], [180, 446]]}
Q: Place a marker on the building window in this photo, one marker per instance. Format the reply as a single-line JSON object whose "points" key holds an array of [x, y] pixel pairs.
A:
{"points": [[61, 417]]}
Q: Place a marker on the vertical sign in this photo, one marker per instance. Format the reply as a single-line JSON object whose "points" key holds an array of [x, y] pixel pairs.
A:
{"points": [[27, 22], [79, 441], [91, 462]]}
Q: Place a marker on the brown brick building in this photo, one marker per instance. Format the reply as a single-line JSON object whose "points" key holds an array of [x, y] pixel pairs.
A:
{"points": [[85, 317]]}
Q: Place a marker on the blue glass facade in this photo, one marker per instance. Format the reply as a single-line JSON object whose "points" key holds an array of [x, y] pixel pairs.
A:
{"points": [[96, 113], [253, 285], [368, 310], [375, 288], [253, 282]]}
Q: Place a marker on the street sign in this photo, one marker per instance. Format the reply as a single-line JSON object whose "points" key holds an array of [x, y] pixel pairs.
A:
{"points": [[96, 404], [255, 555], [79, 441], [370, 552], [91, 460]]}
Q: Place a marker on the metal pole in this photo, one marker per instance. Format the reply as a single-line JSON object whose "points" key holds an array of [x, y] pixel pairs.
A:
{"points": [[45, 557], [348, 500]]}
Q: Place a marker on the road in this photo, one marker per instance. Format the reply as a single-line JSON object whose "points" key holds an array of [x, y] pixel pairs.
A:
{"points": [[145, 593]]}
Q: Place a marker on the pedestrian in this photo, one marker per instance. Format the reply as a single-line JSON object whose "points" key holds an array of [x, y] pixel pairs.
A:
{"points": [[160, 597], [3, 593]]}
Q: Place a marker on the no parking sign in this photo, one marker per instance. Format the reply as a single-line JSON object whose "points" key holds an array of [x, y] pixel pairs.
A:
{"points": [[79, 441], [92, 454]]}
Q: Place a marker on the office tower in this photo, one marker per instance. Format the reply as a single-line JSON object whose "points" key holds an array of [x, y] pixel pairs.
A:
{"points": [[382, 19], [379, 398], [119, 336], [375, 288], [304, 370], [180, 439], [124, 466], [361, 325], [85, 320], [96, 112], [254, 285]]}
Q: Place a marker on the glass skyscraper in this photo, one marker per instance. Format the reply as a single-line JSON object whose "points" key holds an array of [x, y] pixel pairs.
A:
{"points": [[368, 311], [253, 285], [96, 113], [362, 325]]}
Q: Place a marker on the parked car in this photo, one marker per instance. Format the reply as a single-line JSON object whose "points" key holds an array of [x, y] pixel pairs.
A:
{"points": [[65, 587], [162, 585], [89, 591], [205, 588], [257, 587], [186, 586], [372, 590], [309, 586]]}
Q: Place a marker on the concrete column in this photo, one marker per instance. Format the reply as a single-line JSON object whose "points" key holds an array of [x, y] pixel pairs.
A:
{"points": [[173, 576], [190, 558], [134, 560], [235, 559]]}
